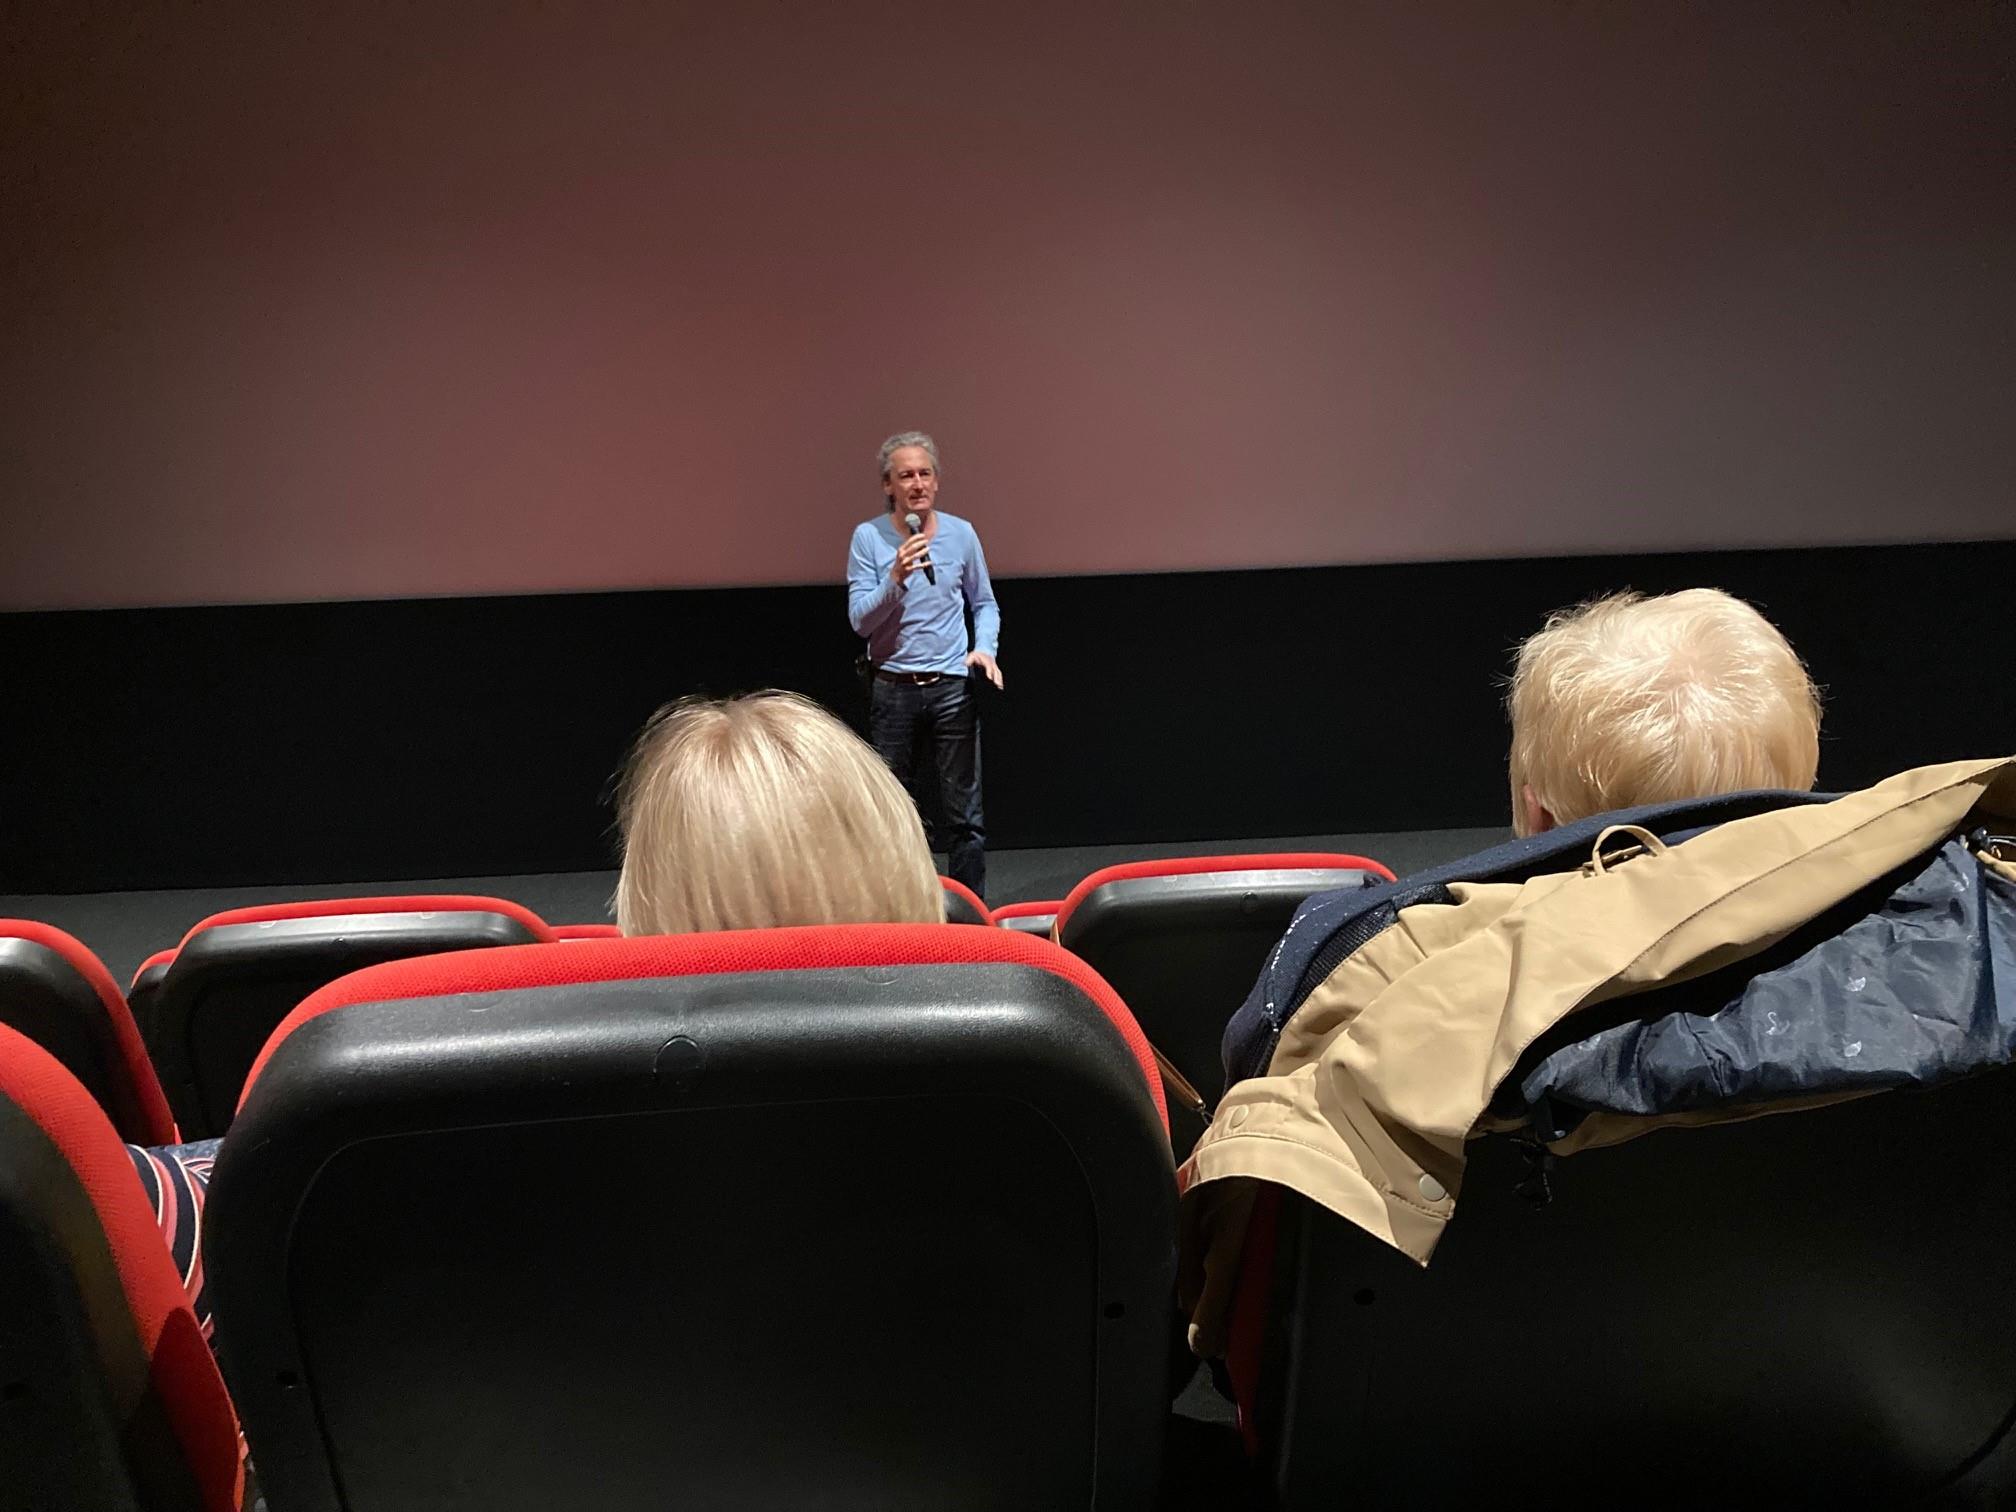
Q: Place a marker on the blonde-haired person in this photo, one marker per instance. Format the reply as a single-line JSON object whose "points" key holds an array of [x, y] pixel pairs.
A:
{"points": [[765, 810], [1629, 700]]}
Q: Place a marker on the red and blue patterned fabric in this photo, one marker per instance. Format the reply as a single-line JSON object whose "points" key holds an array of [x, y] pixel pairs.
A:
{"points": [[176, 1179]]}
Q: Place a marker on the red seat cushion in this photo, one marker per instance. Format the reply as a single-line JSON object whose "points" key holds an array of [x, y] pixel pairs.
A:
{"points": [[828, 947]]}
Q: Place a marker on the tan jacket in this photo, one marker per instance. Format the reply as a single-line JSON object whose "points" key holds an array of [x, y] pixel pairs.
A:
{"points": [[1388, 1068]]}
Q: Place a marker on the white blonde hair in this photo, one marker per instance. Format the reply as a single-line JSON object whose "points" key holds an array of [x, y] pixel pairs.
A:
{"points": [[1629, 700], [765, 810]]}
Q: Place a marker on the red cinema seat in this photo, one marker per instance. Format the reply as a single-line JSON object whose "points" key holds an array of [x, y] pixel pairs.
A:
{"points": [[108, 1395], [963, 905], [866, 1216], [1035, 917], [237, 974], [146, 985], [1182, 941], [55, 991]]}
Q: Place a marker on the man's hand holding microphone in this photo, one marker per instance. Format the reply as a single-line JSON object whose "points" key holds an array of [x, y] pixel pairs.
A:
{"points": [[914, 553], [910, 556]]}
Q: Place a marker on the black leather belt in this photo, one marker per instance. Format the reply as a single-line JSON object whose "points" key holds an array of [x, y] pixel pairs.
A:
{"points": [[919, 679]]}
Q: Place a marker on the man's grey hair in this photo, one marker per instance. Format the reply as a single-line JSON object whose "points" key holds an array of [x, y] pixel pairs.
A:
{"points": [[902, 439]]}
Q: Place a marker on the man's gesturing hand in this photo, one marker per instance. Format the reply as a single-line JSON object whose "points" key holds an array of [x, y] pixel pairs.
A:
{"points": [[908, 555], [986, 664]]}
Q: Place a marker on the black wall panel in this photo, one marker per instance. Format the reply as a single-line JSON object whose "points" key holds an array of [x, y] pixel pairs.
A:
{"points": [[354, 741]]}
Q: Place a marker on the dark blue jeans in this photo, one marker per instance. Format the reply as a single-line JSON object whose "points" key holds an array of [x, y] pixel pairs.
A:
{"points": [[940, 718]]}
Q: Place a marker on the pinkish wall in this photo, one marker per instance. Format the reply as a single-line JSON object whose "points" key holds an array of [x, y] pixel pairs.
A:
{"points": [[387, 299]]}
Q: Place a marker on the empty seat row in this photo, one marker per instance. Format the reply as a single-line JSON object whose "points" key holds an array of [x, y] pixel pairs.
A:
{"points": [[171, 1057], [1184, 936], [1180, 939], [804, 1232], [1787, 1291]]}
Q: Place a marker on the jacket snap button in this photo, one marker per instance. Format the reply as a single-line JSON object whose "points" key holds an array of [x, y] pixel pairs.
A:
{"points": [[1432, 1189], [1238, 1117]]}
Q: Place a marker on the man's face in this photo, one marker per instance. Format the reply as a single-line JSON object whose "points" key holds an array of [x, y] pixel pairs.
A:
{"points": [[912, 482]]}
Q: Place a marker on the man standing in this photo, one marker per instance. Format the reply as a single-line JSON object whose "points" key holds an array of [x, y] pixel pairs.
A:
{"points": [[912, 575]]}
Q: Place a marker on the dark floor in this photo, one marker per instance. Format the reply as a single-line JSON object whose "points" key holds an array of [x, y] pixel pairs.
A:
{"points": [[124, 928], [1204, 1467]]}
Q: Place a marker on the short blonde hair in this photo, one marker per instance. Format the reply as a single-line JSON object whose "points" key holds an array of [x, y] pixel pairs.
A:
{"points": [[765, 810], [1629, 700]]}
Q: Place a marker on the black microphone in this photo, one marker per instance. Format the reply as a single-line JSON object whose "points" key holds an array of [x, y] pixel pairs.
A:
{"points": [[930, 572]]}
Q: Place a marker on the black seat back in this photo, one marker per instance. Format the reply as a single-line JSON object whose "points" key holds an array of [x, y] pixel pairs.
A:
{"points": [[962, 904], [867, 1217], [109, 1399], [146, 986], [1811, 1308], [1182, 944], [57, 993], [231, 984]]}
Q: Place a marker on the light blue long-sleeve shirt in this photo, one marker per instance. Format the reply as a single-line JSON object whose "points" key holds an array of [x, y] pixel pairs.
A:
{"points": [[916, 626]]}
